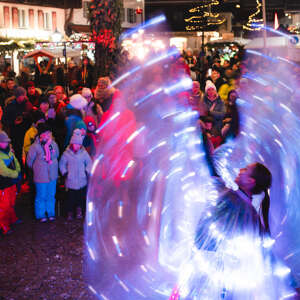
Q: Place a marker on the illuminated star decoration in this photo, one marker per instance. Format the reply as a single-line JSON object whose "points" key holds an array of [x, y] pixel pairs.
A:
{"points": [[204, 18]]}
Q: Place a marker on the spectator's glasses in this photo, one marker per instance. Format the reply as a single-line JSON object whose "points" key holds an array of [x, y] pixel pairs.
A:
{"points": [[90, 124]]}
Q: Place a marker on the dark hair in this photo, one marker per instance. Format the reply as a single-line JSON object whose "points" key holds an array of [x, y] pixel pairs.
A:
{"points": [[263, 181], [43, 127], [208, 119], [215, 68], [37, 115], [43, 99], [231, 92]]}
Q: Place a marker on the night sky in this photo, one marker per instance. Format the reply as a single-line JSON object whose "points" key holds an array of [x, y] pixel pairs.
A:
{"points": [[177, 10]]}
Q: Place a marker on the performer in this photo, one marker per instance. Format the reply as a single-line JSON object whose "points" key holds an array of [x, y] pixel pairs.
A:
{"points": [[234, 211], [233, 216], [229, 226]]}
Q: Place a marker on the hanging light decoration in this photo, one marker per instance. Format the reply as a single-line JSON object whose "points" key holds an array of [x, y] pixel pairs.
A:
{"points": [[254, 22], [204, 17]]}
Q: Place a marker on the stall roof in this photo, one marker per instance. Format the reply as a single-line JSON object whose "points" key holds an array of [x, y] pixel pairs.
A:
{"points": [[37, 53]]}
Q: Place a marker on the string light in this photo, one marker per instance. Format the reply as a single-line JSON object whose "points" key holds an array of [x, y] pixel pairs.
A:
{"points": [[255, 24], [207, 18]]}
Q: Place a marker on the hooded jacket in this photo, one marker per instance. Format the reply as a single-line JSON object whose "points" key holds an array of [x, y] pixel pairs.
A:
{"points": [[77, 166], [43, 171], [9, 169]]}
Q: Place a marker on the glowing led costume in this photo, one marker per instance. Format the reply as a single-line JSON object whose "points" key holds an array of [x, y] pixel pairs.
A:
{"points": [[176, 232]]}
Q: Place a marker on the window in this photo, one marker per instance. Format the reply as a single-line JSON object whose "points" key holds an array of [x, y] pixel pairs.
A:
{"points": [[46, 21], [131, 16], [22, 18], [86, 9], [123, 14]]}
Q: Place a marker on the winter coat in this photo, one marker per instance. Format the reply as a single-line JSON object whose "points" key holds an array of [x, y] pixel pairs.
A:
{"points": [[29, 138], [13, 111], [91, 110], [77, 166], [73, 120], [87, 76], [43, 171], [9, 170], [218, 112]]}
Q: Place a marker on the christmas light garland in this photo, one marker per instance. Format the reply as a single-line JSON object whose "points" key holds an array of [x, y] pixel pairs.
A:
{"points": [[253, 23], [206, 19]]}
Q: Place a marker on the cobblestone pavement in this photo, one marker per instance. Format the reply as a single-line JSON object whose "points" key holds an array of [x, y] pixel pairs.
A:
{"points": [[42, 261]]}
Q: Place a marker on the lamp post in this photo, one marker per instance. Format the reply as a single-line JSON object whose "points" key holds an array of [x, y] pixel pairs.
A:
{"points": [[265, 24]]}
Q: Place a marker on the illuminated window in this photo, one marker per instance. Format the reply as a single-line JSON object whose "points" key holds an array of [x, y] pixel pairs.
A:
{"points": [[46, 21], [22, 18]]}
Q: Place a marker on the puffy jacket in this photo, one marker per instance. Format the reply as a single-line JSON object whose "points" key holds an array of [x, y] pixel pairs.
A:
{"points": [[77, 166], [9, 170], [42, 170], [29, 138]]}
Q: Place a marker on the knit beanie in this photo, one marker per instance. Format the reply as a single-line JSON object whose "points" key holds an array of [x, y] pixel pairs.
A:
{"points": [[30, 84], [209, 85], [77, 137], [78, 102], [19, 91]]}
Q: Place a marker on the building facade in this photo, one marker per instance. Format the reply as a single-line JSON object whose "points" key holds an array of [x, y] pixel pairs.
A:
{"points": [[132, 15], [38, 20], [25, 21]]}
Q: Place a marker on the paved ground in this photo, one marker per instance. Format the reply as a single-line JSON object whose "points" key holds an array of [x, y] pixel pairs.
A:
{"points": [[42, 261]]}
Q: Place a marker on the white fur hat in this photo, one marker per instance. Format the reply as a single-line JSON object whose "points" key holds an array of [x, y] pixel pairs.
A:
{"points": [[78, 102], [209, 85]]}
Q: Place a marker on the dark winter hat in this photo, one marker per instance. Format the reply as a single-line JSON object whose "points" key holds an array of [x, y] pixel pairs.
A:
{"points": [[19, 91], [30, 84], [37, 115], [215, 68], [43, 127], [4, 137], [43, 99]]}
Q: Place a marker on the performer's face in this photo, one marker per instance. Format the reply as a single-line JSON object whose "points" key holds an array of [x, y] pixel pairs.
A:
{"points": [[244, 178]]}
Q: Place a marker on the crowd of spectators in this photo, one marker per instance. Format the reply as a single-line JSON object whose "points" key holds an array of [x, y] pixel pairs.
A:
{"points": [[48, 139]]}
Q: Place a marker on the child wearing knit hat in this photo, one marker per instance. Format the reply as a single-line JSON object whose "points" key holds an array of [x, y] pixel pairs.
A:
{"points": [[91, 136], [76, 164], [42, 158]]}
